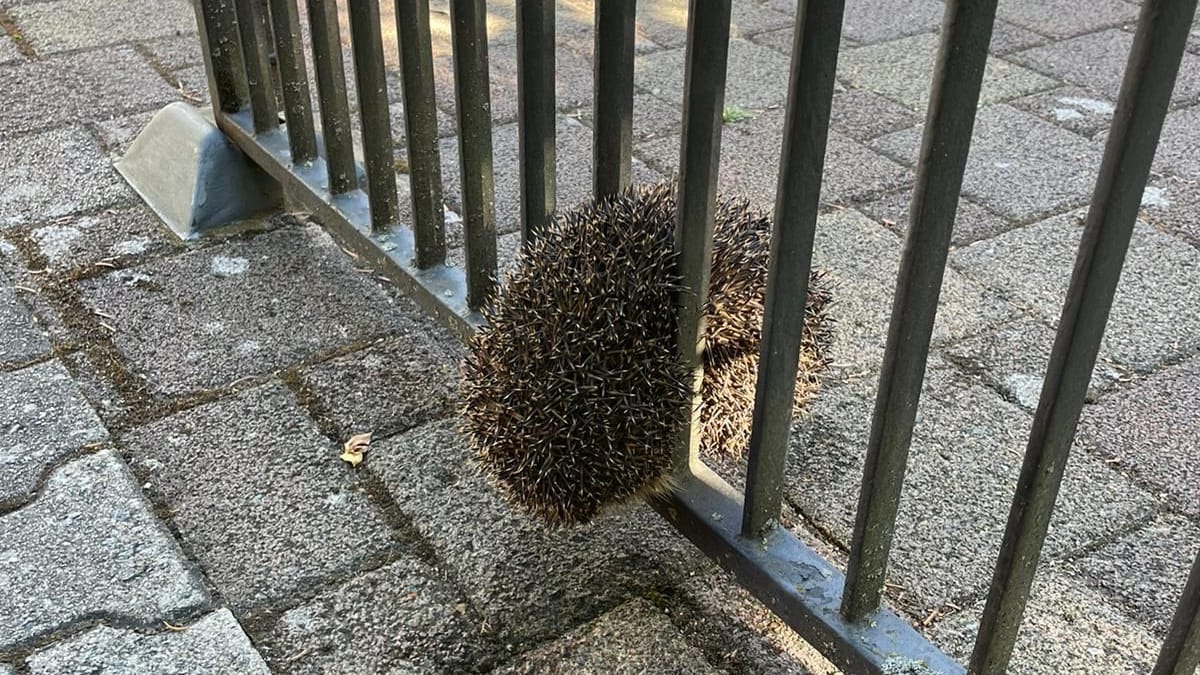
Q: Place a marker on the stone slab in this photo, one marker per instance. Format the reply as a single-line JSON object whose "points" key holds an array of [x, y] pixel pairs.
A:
{"points": [[966, 453], [652, 116], [247, 307], [1069, 628], [1179, 145], [756, 76], [117, 133], [175, 51], [45, 418], [21, 340], [527, 582], [1097, 62], [862, 259], [1013, 359], [90, 547], [867, 21], [75, 24], [214, 644], [9, 50], [1150, 429], [1173, 205], [665, 21], [1072, 108], [750, 163], [1019, 166], [1146, 570], [972, 222], [394, 384], [404, 617], [902, 70], [863, 115], [574, 162], [77, 88], [55, 173], [115, 238], [635, 637], [260, 497], [1064, 18], [1154, 318]]}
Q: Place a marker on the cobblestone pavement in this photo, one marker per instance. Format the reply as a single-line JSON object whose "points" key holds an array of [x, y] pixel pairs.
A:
{"points": [[171, 498]]}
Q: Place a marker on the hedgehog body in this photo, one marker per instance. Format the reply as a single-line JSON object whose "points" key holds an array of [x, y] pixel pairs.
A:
{"points": [[574, 393]]}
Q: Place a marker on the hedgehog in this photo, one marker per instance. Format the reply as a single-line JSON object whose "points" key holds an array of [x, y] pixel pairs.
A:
{"points": [[574, 393]]}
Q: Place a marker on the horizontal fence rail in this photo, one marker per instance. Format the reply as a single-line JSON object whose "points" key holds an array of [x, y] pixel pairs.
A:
{"points": [[353, 193]]}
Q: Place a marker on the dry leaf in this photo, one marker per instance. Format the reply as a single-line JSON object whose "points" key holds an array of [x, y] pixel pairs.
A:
{"points": [[352, 451]]}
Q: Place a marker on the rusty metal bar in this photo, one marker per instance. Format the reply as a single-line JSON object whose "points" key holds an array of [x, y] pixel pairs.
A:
{"points": [[535, 107], [612, 104], [217, 22], [294, 81], [331, 96], [1180, 654], [367, 42], [252, 29]]}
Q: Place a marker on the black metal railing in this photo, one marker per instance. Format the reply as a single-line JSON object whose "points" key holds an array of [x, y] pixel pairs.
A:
{"points": [[842, 616]]}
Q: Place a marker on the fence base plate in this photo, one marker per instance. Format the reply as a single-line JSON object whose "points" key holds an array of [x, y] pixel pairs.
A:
{"points": [[189, 173]]}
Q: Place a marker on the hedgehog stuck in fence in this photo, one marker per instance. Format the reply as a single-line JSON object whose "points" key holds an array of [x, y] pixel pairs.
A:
{"points": [[574, 393]]}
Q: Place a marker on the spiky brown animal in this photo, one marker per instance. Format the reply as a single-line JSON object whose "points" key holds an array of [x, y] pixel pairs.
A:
{"points": [[574, 392]]}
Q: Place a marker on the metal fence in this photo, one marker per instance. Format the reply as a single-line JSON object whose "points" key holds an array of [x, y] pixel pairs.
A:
{"points": [[841, 616]]}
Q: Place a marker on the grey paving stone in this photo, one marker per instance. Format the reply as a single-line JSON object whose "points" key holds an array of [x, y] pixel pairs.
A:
{"points": [[45, 418], [902, 70], [1179, 146], [1072, 108], [54, 173], [1146, 570], [737, 632], [118, 133], [863, 114], [756, 76], [201, 320], [1154, 318], [635, 637], [395, 384], [214, 644], [1097, 63], [1008, 38], [90, 547], [77, 88], [20, 338], [1173, 205], [665, 21], [972, 222], [176, 51], [1019, 166], [750, 163], [1013, 358], [1150, 429], [869, 21], [966, 454], [117, 237], [527, 582], [862, 260], [259, 496], [1069, 628], [652, 116], [405, 617], [574, 160], [9, 50], [1064, 18], [74, 24]]}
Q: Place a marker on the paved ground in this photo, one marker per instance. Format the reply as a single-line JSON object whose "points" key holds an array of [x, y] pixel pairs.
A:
{"points": [[170, 494]]}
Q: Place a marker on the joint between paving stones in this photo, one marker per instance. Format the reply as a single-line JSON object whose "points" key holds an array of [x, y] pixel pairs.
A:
{"points": [[10, 27], [12, 505]]}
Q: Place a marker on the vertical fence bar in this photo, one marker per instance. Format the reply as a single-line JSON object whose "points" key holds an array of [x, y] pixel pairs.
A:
{"points": [[293, 77], [468, 19], [802, 159], [1145, 95], [957, 79], [699, 160], [252, 28], [331, 94], [420, 120], [222, 60], [366, 39], [612, 104], [1180, 654], [535, 107]]}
